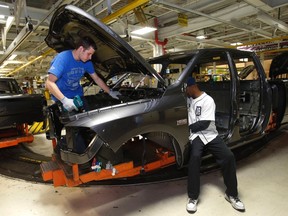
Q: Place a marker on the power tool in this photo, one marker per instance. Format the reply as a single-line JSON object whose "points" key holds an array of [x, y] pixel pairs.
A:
{"points": [[78, 102]]}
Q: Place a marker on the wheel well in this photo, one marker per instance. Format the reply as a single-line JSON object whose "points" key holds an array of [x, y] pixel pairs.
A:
{"points": [[143, 148]]}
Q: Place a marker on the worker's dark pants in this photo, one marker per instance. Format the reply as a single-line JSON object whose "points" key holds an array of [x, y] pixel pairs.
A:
{"points": [[224, 158]]}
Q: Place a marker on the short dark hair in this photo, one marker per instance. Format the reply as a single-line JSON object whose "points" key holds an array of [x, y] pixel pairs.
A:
{"points": [[86, 42]]}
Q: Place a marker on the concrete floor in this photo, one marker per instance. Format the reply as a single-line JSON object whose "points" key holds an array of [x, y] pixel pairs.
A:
{"points": [[262, 180]]}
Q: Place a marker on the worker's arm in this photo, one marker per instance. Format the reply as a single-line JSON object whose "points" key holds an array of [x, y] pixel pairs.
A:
{"points": [[100, 82], [53, 88], [199, 126], [68, 104]]}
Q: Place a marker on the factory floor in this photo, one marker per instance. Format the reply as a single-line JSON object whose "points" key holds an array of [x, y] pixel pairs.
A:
{"points": [[262, 179]]}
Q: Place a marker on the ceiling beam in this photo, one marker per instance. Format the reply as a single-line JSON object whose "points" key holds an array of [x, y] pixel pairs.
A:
{"points": [[20, 38], [100, 7], [275, 3], [213, 42], [199, 6], [269, 20], [259, 4], [223, 16], [129, 7]]}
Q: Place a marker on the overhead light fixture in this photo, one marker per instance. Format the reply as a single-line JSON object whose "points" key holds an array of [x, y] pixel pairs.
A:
{"points": [[12, 57], [2, 16], [201, 35], [9, 21], [4, 6], [236, 44], [143, 30], [243, 60], [5, 70]]}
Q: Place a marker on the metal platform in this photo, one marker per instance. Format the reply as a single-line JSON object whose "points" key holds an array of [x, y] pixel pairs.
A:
{"points": [[21, 162]]}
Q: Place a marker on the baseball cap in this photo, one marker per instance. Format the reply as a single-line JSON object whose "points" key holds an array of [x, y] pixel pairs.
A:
{"points": [[191, 81]]}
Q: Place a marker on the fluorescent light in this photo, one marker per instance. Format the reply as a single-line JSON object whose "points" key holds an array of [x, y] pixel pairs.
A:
{"points": [[201, 37], [15, 62], [136, 37], [5, 69], [236, 44], [4, 6], [143, 30], [9, 21], [4, 64], [13, 56], [243, 60], [2, 16]]}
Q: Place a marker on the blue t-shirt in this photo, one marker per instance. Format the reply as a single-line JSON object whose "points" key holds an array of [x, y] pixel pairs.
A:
{"points": [[69, 73]]}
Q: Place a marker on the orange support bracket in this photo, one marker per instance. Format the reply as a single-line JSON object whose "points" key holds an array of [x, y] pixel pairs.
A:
{"points": [[14, 136], [57, 171]]}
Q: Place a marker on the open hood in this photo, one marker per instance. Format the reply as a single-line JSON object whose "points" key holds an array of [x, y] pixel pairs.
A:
{"points": [[113, 55]]}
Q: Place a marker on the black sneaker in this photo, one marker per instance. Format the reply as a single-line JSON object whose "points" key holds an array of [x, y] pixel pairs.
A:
{"points": [[191, 206], [235, 202]]}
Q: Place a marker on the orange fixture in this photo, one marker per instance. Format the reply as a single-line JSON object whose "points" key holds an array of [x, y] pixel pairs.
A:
{"points": [[14, 136], [68, 175]]}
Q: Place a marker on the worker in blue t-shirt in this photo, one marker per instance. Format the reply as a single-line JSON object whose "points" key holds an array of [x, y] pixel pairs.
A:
{"points": [[66, 70]]}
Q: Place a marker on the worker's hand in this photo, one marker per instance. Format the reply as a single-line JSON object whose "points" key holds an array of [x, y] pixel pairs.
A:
{"points": [[114, 94], [68, 104]]}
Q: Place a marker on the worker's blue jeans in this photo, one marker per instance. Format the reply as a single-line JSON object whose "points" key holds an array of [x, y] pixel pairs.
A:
{"points": [[224, 158]]}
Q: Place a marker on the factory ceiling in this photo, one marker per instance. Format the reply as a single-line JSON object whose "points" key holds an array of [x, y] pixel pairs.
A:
{"points": [[258, 25]]}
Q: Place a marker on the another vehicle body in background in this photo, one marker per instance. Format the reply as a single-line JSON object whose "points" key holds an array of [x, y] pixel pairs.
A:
{"points": [[17, 110]]}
